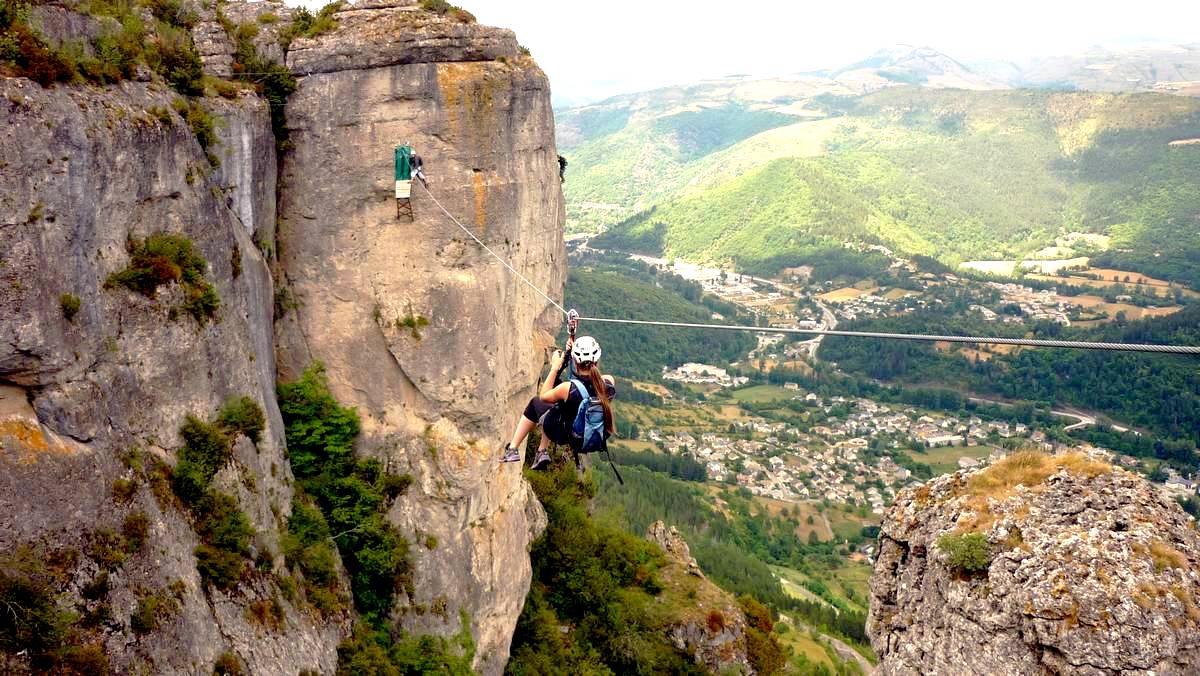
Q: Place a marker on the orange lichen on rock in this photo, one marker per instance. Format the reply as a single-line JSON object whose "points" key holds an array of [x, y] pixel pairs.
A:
{"points": [[24, 439]]}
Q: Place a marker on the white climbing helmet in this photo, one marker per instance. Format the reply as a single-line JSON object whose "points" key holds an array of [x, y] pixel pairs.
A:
{"points": [[586, 349]]}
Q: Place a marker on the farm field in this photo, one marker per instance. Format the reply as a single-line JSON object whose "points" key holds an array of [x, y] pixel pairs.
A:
{"points": [[944, 460], [1131, 311], [844, 294], [760, 394]]}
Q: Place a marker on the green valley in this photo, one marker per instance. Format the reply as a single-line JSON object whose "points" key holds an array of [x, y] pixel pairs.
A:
{"points": [[954, 174]]}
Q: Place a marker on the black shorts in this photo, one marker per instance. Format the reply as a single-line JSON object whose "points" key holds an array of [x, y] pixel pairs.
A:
{"points": [[550, 417]]}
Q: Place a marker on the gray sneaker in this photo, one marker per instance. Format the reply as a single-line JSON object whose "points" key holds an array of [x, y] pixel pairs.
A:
{"points": [[511, 454], [542, 461]]}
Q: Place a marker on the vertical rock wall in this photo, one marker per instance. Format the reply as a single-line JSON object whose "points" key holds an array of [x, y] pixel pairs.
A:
{"points": [[436, 398], [85, 170]]}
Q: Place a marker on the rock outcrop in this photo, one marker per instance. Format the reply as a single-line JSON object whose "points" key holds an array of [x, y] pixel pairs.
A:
{"points": [[710, 626], [433, 341], [1079, 568], [419, 328], [93, 396]]}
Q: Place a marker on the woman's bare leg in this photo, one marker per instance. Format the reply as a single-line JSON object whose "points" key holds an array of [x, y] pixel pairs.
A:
{"points": [[524, 426]]}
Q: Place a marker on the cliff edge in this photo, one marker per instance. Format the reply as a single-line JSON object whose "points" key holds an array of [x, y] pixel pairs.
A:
{"points": [[1037, 564], [180, 232]]}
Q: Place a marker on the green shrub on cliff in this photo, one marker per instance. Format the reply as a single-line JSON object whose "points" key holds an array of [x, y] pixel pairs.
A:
{"points": [[243, 415], [225, 531], [967, 553], [163, 259], [36, 630], [353, 494]]}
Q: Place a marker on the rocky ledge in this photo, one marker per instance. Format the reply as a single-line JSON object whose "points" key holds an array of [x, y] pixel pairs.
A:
{"points": [[1037, 564], [376, 33]]}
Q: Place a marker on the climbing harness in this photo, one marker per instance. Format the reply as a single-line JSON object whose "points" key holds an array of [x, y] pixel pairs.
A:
{"points": [[980, 340]]}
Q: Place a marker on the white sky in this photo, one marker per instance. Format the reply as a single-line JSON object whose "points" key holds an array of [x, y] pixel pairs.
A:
{"points": [[598, 48]]}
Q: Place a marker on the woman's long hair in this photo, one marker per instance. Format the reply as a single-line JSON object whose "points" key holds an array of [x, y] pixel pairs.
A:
{"points": [[591, 371]]}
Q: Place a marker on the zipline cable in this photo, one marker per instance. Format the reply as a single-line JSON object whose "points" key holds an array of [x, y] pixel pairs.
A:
{"points": [[981, 340], [1031, 342]]}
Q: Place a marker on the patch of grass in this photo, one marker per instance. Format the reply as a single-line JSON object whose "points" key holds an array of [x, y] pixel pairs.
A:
{"points": [[135, 529], [123, 489], [414, 323], [70, 305], [968, 554], [443, 8], [153, 608], [1024, 468], [266, 613], [1165, 556]]}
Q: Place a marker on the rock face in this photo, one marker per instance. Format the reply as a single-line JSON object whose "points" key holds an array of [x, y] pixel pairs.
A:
{"points": [[1090, 572], [434, 342], [429, 337], [713, 627], [84, 170]]}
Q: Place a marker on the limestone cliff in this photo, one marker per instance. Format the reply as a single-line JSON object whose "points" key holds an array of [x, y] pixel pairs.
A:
{"points": [[1037, 565], [97, 379], [430, 338], [95, 396]]}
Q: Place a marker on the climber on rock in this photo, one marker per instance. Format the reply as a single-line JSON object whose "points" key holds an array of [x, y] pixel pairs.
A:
{"points": [[557, 406], [418, 169]]}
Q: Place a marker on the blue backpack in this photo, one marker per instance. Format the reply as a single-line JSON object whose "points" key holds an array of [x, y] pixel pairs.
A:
{"points": [[588, 434]]}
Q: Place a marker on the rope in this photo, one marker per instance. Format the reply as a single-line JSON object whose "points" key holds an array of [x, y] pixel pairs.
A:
{"points": [[489, 250], [1115, 347], [981, 340]]}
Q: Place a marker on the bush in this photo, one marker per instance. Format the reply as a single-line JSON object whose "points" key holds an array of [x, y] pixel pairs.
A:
{"points": [[221, 569], [967, 553], [152, 610], [70, 304], [123, 490], [177, 13], [21, 46], [107, 548], [306, 24], [223, 527], [135, 529], [165, 258], [205, 451], [243, 415], [228, 664], [200, 122], [352, 496], [177, 61]]}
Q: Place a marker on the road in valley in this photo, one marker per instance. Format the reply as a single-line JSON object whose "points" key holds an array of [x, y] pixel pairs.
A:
{"points": [[1082, 418]]}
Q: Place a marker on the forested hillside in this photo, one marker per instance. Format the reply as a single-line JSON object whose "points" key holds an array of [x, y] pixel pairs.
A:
{"points": [[954, 174], [1156, 392], [642, 351]]}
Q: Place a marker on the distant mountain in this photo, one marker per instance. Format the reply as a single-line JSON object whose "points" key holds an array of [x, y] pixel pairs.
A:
{"points": [[755, 171], [1143, 67], [905, 64]]}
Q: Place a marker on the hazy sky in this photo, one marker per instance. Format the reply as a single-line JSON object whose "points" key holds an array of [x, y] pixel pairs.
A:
{"points": [[597, 48]]}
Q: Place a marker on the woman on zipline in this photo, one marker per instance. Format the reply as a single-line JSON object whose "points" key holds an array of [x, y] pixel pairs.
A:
{"points": [[557, 405]]}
